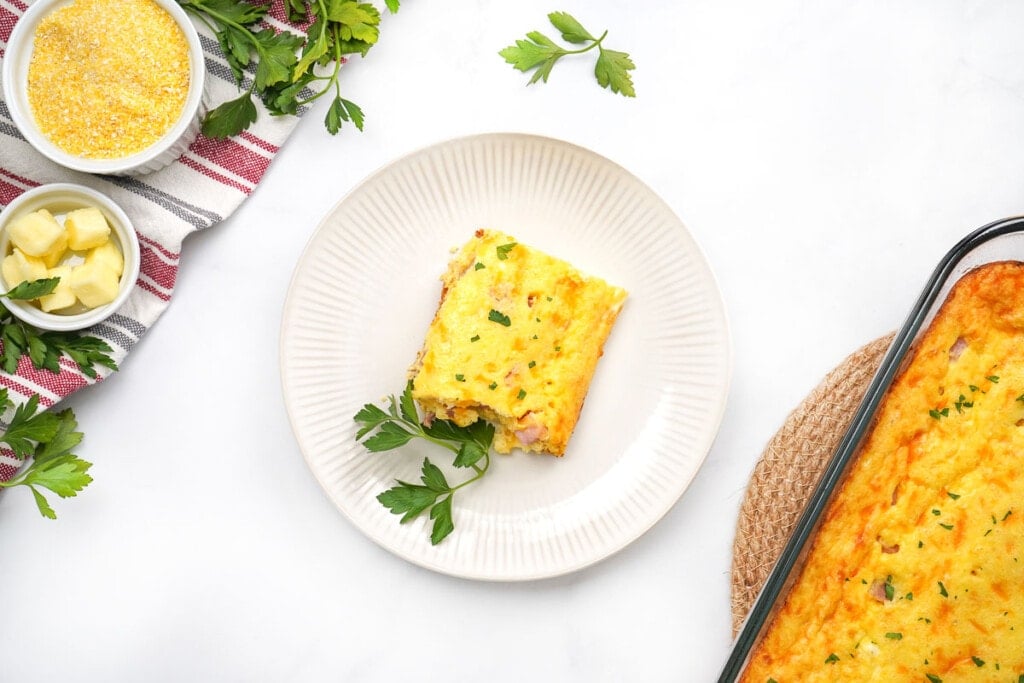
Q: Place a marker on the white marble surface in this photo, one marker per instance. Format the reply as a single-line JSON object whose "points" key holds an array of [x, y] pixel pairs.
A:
{"points": [[825, 154]]}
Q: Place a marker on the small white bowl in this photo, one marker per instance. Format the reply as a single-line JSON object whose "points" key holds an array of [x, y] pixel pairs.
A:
{"points": [[59, 198], [168, 148]]}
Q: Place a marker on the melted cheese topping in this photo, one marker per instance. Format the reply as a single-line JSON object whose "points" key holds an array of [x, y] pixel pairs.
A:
{"points": [[515, 340], [916, 573]]}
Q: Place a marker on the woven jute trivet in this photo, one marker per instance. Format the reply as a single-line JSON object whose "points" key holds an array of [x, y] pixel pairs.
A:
{"points": [[790, 466]]}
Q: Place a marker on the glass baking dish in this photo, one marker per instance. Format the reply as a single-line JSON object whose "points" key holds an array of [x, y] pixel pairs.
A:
{"points": [[999, 241]]}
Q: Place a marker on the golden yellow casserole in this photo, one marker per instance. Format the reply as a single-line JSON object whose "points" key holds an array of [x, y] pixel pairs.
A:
{"points": [[515, 341], [917, 572]]}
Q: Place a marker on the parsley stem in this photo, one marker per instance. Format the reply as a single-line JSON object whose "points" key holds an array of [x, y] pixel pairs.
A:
{"points": [[333, 78], [480, 472], [588, 48], [197, 7]]}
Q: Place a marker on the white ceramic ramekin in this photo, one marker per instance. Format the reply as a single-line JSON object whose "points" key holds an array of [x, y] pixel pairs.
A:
{"points": [[161, 153], [59, 198]]}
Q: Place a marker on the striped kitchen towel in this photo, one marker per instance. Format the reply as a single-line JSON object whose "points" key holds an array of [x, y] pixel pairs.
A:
{"points": [[197, 191]]}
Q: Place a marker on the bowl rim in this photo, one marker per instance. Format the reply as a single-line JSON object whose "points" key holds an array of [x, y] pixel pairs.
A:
{"points": [[14, 79], [126, 235]]}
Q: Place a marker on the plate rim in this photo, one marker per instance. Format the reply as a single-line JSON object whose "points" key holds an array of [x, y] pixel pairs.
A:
{"points": [[715, 418]]}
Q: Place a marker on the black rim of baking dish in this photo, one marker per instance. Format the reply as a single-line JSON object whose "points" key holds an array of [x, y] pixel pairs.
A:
{"points": [[779, 577]]}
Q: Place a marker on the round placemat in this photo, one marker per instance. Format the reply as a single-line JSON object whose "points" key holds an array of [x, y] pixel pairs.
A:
{"points": [[790, 466]]}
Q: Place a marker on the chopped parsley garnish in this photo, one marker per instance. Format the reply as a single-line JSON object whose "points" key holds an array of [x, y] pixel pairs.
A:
{"points": [[936, 512], [459, 377], [558, 348], [532, 363], [938, 414], [537, 319], [475, 338], [535, 337], [993, 378], [889, 590], [942, 590], [521, 395], [832, 658], [894, 635], [978, 662], [492, 386], [479, 266], [920, 544], [549, 298], [1008, 513], [947, 527], [503, 250], [909, 596], [972, 387], [499, 317], [1021, 398], [933, 678], [962, 403], [952, 495]]}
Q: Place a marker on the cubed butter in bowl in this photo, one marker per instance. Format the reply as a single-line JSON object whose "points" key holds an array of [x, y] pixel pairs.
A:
{"points": [[78, 235]]}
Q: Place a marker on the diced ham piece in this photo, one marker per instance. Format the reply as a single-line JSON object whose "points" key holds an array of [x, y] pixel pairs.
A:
{"points": [[877, 590], [531, 432], [957, 349]]}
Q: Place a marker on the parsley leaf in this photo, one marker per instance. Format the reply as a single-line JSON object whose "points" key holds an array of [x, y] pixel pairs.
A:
{"points": [[612, 71], [230, 118], [541, 53], [441, 513], [572, 31], [27, 428], [33, 289], [384, 430], [48, 439]]}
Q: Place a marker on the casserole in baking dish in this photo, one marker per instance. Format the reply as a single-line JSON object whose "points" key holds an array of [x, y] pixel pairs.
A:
{"points": [[907, 563]]}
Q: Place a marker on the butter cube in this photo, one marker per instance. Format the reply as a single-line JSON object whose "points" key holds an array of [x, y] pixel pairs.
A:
{"points": [[109, 254], [62, 296], [95, 284], [17, 267], [57, 251], [35, 233], [87, 228]]}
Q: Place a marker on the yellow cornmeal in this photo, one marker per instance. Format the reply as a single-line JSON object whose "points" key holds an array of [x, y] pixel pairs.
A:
{"points": [[108, 79], [917, 572]]}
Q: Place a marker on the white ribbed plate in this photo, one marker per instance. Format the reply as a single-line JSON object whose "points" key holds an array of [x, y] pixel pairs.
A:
{"points": [[366, 288]]}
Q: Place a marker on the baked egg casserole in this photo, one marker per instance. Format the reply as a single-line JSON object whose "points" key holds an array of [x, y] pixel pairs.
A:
{"points": [[917, 570], [515, 341]]}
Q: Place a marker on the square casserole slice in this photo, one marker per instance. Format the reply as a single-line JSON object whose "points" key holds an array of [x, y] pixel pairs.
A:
{"points": [[515, 341]]}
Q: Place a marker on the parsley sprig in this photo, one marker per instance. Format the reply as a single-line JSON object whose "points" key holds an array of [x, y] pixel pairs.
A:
{"points": [[285, 78], [385, 430], [44, 349], [46, 438], [541, 53]]}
